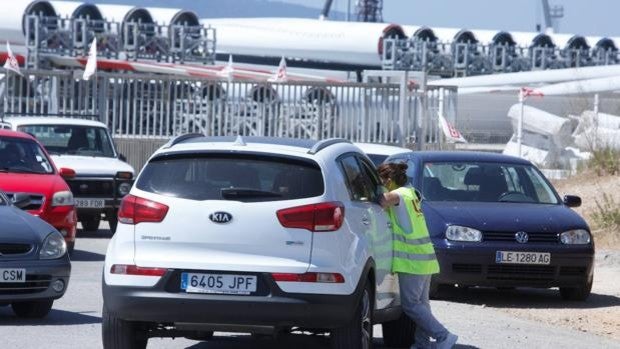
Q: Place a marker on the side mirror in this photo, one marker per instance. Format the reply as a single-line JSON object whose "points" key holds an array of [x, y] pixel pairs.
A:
{"points": [[21, 200], [66, 173], [122, 157], [572, 201]]}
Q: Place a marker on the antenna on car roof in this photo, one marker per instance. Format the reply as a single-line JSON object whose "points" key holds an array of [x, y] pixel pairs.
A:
{"points": [[239, 141]]}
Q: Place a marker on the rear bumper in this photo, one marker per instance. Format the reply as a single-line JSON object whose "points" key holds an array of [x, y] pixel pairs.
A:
{"points": [[40, 274], [476, 266], [269, 307]]}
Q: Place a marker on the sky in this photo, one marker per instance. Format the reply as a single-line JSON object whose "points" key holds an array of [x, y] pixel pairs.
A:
{"points": [[585, 17]]}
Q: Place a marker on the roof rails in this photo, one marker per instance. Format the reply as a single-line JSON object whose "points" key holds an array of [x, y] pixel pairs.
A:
{"points": [[322, 144], [182, 138]]}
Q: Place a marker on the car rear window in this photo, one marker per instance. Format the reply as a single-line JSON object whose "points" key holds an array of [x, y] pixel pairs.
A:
{"points": [[239, 177]]}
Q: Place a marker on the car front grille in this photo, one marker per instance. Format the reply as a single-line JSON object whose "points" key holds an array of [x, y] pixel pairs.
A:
{"points": [[534, 237], [36, 201], [92, 188], [467, 268], [521, 272], [14, 249], [33, 284]]}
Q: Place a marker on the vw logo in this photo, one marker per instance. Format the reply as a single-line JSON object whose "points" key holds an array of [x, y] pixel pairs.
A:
{"points": [[521, 237], [220, 217]]}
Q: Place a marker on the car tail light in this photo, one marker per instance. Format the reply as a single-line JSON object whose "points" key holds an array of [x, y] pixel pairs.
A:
{"points": [[125, 269], [330, 278], [327, 216], [136, 210]]}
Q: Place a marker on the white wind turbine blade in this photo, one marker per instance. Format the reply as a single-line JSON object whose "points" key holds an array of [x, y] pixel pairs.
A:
{"points": [[532, 77], [607, 84]]}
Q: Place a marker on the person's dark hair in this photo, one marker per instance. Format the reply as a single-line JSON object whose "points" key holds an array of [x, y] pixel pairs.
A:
{"points": [[396, 171]]}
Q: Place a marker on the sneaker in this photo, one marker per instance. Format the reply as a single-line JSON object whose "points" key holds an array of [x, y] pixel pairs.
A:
{"points": [[447, 343]]}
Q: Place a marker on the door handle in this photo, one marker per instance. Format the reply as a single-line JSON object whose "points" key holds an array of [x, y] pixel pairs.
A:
{"points": [[365, 221], [389, 224]]}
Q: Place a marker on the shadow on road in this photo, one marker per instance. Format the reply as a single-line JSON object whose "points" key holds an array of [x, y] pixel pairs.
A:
{"points": [[54, 318], [297, 341], [525, 298], [86, 256]]}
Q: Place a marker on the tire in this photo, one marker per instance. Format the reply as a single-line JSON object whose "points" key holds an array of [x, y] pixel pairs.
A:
{"points": [[120, 334], [33, 309], [91, 222], [399, 333], [579, 294], [358, 333]]}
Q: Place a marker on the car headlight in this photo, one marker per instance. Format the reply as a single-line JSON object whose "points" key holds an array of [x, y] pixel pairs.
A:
{"points": [[575, 237], [124, 188], [62, 198], [54, 246], [458, 233]]}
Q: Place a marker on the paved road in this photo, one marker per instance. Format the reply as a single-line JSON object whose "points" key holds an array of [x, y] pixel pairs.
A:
{"points": [[75, 320]]}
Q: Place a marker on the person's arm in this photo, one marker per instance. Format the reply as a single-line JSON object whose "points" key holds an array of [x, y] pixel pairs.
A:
{"points": [[389, 199]]}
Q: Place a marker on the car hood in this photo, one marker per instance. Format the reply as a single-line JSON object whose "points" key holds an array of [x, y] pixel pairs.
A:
{"points": [[44, 184], [502, 216], [21, 227], [91, 165]]}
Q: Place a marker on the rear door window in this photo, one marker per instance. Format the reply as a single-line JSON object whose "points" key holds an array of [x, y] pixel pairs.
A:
{"points": [[359, 185], [239, 177]]}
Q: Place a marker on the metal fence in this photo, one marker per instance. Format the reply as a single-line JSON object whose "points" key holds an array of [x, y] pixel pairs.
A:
{"points": [[159, 107]]}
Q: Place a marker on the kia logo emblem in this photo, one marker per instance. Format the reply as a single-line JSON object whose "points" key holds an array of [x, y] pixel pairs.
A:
{"points": [[220, 217], [521, 237]]}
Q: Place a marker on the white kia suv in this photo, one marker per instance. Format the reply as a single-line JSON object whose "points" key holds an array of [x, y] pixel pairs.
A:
{"points": [[255, 235]]}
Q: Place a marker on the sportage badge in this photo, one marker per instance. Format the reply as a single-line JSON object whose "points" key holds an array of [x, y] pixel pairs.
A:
{"points": [[220, 217]]}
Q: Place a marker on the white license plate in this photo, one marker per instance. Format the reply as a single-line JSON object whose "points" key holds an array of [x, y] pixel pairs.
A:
{"points": [[218, 283], [12, 275], [514, 257], [90, 203]]}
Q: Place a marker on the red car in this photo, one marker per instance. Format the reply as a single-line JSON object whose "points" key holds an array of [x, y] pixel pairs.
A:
{"points": [[25, 167]]}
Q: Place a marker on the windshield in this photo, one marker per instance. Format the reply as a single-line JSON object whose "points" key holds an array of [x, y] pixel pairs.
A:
{"points": [[485, 182], [23, 156], [238, 177], [72, 139]]}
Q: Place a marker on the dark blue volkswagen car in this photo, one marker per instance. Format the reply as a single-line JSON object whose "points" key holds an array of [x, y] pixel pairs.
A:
{"points": [[495, 220]]}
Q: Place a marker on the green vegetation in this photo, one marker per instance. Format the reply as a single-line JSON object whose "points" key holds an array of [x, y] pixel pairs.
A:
{"points": [[605, 162], [607, 213]]}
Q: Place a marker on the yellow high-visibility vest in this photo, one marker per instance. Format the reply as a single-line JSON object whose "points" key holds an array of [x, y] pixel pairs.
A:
{"points": [[413, 251]]}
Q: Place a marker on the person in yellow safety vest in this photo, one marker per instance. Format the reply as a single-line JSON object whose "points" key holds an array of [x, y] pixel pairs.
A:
{"points": [[414, 257]]}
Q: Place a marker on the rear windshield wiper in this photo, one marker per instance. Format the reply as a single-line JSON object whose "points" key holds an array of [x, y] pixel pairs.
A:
{"points": [[233, 192]]}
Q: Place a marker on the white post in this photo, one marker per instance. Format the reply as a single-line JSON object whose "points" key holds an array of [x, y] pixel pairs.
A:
{"points": [[520, 125], [596, 108], [441, 109]]}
